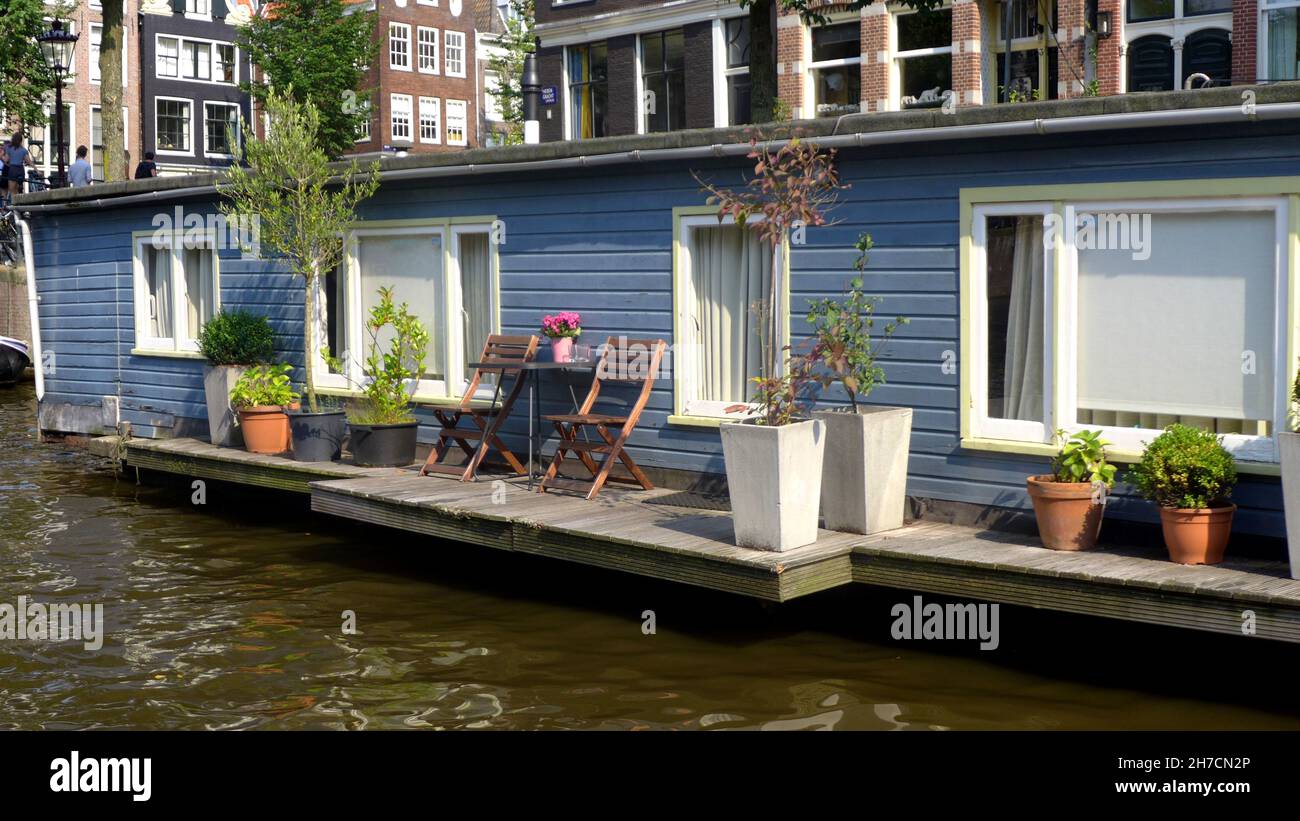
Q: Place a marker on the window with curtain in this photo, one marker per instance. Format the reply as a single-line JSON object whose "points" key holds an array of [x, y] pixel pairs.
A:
{"points": [[588, 90], [175, 291], [836, 69], [1168, 312], [722, 293], [474, 259], [1282, 48], [411, 264]]}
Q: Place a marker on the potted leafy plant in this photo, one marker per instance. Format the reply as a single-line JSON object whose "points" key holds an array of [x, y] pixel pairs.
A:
{"points": [[383, 429], [262, 396], [300, 205], [231, 341], [774, 458], [562, 329], [864, 475], [1189, 474], [1288, 443], [1069, 501], [774, 463]]}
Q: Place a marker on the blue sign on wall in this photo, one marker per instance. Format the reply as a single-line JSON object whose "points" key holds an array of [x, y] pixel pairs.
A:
{"points": [[550, 94]]}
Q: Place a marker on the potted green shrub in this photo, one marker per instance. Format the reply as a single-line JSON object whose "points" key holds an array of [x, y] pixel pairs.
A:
{"points": [[1189, 474], [774, 463], [1288, 443], [231, 341], [1069, 501], [864, 474], [300, 206], [774, 458], [262, 396], [383, 429]]}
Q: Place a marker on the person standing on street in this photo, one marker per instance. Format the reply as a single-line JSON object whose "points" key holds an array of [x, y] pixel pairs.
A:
{"points": [[80, 173]]}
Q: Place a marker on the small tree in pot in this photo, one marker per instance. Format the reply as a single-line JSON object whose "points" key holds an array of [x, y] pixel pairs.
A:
{"points": [[232, 341], [774, 459], [864, 475], [1069, 501], [382, 425], [1189, 474], [301, 207]]}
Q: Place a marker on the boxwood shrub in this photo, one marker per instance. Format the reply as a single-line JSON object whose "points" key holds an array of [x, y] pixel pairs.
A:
{"points": [[1185, 468], [237, 338]]}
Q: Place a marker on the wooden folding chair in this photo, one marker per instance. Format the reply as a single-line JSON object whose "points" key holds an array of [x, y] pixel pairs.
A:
{"points": [[629, 361], [509, 352]]}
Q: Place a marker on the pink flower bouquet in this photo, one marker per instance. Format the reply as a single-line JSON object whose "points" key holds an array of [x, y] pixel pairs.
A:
{"points": [[566, 324]]}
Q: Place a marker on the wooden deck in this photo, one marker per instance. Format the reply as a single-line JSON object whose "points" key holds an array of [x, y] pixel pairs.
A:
{"points": [[620, 531]]}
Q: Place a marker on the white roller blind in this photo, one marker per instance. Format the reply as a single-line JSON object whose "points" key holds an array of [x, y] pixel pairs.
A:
{"points": [[411, 264], [1167, 334]]}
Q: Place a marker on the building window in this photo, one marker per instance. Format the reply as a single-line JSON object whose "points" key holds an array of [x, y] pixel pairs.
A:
{"points": [[1278, 40], [97, 143], [199, 7], [492, 97], [663, 80], [1033, 52], [506, 11], [1090, 357], [440, 271], [588, 76], [428, 49], [722, 273], [173, 125], [221, 127], [176, 290], [457, 122], [224, 63], [923, 57], [168, 60], [454, 51], [737, 71], [1169, 43], [401, 118], [430, 115], [96, 42], [836, 69], [196, 60], [399, 46], [363, 124]]}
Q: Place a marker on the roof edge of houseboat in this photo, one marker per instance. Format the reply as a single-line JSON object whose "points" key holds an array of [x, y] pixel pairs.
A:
{"points": [[1173, 108]]}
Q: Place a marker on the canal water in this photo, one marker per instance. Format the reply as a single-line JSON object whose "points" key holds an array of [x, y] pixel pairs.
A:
{"points": [[230, 615]]}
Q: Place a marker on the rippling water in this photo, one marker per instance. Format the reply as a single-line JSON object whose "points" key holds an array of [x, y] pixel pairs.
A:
{"points": [[228, 616]]}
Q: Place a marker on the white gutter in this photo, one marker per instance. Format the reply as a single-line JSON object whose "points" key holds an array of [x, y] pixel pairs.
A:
{"points": [[1037, 127], [33, 308]]}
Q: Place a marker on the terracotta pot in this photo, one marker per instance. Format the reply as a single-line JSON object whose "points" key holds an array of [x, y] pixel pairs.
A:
{"points": [[1197, 536], [1069, 516], [266, 428]]}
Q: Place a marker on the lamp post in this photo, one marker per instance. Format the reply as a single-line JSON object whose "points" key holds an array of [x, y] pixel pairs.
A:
{"points": [[58, 45]]}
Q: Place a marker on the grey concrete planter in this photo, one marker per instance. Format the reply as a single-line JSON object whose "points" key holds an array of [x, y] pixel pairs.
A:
{"points": [[1289, 444], [774, 478], [864, 475], [223, 423]]}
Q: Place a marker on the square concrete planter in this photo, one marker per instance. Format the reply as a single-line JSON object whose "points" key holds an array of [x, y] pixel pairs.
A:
{"points": [[774, 479], [864, 475], [223, 423], [1289, 444]]}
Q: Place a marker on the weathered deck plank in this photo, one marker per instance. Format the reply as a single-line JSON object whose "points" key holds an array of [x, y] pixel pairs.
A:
{"points": [[619, 531]]}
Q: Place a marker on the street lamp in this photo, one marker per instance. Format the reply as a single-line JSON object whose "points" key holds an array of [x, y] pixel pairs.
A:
{"points": [[58, 46]]}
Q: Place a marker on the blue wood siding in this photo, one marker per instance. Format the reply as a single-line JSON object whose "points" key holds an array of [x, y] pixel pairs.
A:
{"points": [[600, 242]]}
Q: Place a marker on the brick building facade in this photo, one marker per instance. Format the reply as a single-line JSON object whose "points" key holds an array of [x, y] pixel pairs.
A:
{"points": [[424, 83], [889, 57]]}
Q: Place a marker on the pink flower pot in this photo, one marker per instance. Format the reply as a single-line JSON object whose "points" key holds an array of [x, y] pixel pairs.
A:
{"points": [[562, 348]]}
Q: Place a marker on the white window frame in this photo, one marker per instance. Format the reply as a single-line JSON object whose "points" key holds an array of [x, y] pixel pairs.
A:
{"points": [[1060, 344], [158, 54], [457, 376], [1177, 28], [721, 99], [454, 67], [399, 34], [239, 125], [432, 106], [896, 57], [365, 136], [450, 118], [181, 43], [126, 132], [810, 73], [94, 42], [188, 152], [408, 103], [1261, 52], [433, 64], [185, 342], [683, 291]]}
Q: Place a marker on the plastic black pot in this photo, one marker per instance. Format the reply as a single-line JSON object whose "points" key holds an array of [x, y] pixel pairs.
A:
{"points": [[383, 446], [317, 437]]}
